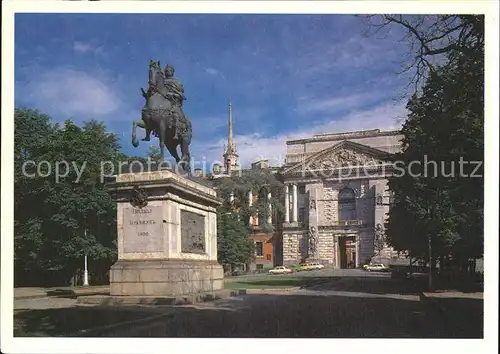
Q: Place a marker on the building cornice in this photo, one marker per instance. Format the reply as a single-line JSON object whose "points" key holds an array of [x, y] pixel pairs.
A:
{"points": [[343, 136], [352, 173]]}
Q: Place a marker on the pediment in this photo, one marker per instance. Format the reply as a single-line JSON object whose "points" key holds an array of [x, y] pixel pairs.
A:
{"points": [[342, 155]]}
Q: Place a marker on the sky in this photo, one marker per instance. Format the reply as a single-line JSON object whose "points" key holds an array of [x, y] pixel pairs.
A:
{"points": [[288, 76]]}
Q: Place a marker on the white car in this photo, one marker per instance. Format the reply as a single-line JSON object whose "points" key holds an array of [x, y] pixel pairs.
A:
{"points": [[317, 266], [280, 270], [379, 267]]}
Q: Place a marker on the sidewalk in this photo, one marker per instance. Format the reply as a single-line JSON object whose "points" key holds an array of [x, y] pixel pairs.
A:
{"points": [[36, 292], [440, 294]]}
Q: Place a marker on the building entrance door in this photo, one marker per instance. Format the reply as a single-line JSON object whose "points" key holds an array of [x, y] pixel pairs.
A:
{"points": [[347, 252]]}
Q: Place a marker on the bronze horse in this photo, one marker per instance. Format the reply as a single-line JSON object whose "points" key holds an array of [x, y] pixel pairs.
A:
{"points": [[158, 118]]}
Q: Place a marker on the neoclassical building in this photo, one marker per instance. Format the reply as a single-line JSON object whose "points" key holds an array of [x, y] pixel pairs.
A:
{"points": [[337, 196]]}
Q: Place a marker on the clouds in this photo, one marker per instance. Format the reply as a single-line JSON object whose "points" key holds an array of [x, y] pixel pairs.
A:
{"points": [[256, 146], [211, 71], [80, 47], [331, 105], [288, 75], [69, 93], [87, 48]]}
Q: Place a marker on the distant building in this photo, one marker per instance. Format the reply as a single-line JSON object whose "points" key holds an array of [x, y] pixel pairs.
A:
{"points": [[337, 197]]}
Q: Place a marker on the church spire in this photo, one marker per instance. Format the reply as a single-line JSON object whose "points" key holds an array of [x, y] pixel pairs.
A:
{"points": [[230, 133], [230, 154]]}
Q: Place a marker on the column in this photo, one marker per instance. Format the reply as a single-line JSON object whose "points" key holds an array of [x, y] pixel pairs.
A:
{"points": [[337, 252], [287, 204], [357, 251], [231, 197], [250, 202], [294, 207], [269, 209]]}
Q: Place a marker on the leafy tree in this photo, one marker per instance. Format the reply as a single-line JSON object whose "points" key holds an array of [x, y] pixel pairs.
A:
{"points": [[154, 153], [233, 245], [441, 209], [52, 211], [260, 182], [236, 215]]}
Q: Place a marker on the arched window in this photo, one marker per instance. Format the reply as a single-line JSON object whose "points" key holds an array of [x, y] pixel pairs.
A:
{"points": [[347, 204]]}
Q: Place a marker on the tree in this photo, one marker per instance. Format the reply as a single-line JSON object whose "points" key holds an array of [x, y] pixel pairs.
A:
{"points": [[235, 215], [233, 245], [260, 182], [154, 153], [438, 212], [432, 38], [52, 211]]}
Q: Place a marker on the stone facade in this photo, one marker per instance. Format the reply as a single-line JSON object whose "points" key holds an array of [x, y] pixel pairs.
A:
{"points": [[344, 177]]}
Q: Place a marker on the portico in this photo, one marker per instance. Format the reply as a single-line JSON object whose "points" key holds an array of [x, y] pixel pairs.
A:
{"points": [[332, 183]]}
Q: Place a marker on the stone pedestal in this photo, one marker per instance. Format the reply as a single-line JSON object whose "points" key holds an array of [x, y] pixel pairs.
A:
{"points": [[167, 236]]}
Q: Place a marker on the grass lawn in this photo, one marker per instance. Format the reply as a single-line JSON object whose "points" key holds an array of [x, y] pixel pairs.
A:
{"points": [[267, 282]]}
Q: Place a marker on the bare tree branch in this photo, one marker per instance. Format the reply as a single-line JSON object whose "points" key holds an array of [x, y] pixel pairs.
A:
{"points": [[431, 37]]}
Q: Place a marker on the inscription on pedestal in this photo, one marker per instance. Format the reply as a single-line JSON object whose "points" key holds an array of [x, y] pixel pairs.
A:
{"points": [[142, 229], [192, 232]]}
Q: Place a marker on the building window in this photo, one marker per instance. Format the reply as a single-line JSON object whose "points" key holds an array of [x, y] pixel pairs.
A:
{"points": [[302, 189], [259, 249], [347, 204], [302, 215], [259, 266], [268, 257]]}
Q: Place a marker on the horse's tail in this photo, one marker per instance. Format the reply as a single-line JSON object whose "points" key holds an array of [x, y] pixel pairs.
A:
{"points": [[135, 142]]}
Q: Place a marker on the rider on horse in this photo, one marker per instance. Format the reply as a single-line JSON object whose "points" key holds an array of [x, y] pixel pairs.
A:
{"points": [[175, 93]]}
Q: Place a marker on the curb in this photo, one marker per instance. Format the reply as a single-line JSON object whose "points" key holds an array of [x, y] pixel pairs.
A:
{"points": [[27, 297], [109, 300], [64, 293], [433, 302], [264, 291]]}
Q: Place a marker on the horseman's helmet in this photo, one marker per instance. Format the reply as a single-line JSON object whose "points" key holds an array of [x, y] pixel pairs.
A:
{"points": [[169, 68]]}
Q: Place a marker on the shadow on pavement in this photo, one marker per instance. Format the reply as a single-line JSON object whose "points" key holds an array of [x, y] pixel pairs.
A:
{"points": [[464, 317], [295, 316], [70, 320], [264, 316]]}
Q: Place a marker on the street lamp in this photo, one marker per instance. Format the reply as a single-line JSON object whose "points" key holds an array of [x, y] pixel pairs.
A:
{"points": [[85, 271]]}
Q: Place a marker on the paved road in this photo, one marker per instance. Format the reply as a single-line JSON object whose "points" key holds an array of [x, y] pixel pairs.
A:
{"points": [[350, 307], [352, 304]]}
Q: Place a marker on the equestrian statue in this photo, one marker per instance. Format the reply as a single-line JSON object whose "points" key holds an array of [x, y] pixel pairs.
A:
{"points": [[163, 117]]}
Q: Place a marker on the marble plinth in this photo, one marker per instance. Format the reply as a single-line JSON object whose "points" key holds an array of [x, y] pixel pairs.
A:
{"points": [[167, 236]]}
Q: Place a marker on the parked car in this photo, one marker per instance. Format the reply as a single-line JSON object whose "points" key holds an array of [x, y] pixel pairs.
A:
{"points": [[304, 266], [317, 266], [376, 267], [281, 270]]}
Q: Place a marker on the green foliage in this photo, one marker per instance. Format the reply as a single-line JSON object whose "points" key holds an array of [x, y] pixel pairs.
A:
{"points": [[154, 153], [260, 182], [445, 124], [233, 245], [233, 218], [51, 212]]}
